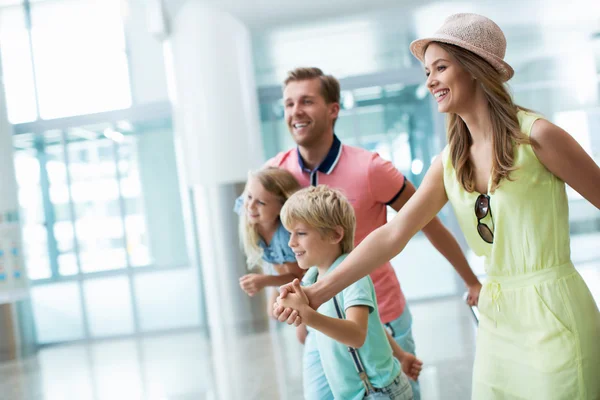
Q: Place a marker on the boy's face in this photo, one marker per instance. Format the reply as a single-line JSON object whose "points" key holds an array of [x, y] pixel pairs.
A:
{"points": [[310, 246]]}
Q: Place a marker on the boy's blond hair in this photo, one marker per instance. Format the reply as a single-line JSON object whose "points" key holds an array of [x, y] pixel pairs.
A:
{"points": [[324, 209]]}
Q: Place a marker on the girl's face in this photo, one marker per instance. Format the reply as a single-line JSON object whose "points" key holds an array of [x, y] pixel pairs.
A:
{"points": [[262, 206], [452, 87]]}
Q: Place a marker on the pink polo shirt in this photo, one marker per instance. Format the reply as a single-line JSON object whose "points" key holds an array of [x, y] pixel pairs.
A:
{"points": [[370, 183]]}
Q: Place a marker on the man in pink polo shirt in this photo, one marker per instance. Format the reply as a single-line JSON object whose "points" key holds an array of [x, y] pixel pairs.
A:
{"points": [[311, 101]]}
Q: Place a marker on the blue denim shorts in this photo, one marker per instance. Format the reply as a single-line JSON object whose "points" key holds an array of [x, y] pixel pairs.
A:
{"points": [[399, 389]]}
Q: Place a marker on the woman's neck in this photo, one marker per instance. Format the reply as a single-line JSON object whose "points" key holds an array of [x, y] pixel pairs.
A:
{"points": [[478, 120]]}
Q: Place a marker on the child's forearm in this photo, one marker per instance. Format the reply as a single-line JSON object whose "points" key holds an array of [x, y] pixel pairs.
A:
{"points": [[278, 280], [396, 349], [341, 330]]}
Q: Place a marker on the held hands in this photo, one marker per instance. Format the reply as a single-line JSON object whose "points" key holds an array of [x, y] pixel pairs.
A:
{"points": [[295, 300], [473, 294], [252, 283], [285, 313]]}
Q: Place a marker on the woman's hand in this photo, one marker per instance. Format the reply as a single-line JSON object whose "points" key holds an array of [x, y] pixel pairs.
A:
{"points": [[473, 294]]}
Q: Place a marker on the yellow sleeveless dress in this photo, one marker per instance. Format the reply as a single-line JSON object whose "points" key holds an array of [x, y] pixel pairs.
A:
{"points": [[539, 328]]}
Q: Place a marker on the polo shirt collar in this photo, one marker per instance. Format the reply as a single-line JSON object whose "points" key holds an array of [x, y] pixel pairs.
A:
{"points": [[330, 161]]}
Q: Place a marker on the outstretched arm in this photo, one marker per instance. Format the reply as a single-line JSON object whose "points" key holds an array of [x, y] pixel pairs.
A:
{"points": [[385, 242], [254, 283]]}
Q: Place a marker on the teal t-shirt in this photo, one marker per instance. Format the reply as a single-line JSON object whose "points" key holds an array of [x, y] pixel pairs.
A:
{"points": [[376, 353]]}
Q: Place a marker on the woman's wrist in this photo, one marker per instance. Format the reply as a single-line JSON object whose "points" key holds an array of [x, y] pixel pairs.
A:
{"points": [[473, 282], [317, 294]]}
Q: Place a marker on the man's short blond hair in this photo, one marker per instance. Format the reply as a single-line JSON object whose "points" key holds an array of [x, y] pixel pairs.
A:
{"points": [[324, 209]]}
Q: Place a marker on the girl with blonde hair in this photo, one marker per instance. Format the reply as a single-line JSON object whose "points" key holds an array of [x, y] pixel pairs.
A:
{"points": [[264, 239]]}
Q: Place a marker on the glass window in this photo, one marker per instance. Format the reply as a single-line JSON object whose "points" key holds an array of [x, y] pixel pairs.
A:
{"points": [[159, 294], [33, 217], [111, 201], [57, 312], [135, 222], [109, 315], [58, 194], [79, 55], [159, 207], [17, 69], [95, 191]]}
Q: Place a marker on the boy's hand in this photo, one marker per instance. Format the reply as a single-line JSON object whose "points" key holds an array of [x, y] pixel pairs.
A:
{"points": [[252, 283], [298, 290], [289, 315], [411, 365]]}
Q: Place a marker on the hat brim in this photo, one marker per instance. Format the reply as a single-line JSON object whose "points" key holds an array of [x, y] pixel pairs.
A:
{"points": [[418, 47]]}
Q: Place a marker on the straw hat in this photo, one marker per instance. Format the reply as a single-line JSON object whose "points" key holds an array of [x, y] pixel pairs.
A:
{"points": [[472, 32]]}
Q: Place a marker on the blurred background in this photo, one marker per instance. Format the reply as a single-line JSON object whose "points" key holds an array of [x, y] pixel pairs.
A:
{"points": [[115, 288]]}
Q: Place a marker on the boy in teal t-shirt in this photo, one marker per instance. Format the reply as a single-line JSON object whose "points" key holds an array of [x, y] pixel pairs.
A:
{"points": [[322, 222]]}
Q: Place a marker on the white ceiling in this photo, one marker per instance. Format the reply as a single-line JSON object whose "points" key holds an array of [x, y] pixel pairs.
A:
{"points": [[534, 28], [268, 14]]}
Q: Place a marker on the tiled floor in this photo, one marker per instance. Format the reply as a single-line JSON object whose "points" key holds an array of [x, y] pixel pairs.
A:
{"points": [[262, 366], [265, 366]]}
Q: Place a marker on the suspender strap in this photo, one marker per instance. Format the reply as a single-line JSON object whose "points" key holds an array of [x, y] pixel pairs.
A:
{"points": [[354, 354]]}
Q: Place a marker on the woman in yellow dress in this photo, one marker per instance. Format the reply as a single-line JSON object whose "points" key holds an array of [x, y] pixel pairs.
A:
{"points": [[504, 172]]}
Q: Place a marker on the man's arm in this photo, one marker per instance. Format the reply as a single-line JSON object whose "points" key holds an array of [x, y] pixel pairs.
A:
{"points": [[443, 240]]}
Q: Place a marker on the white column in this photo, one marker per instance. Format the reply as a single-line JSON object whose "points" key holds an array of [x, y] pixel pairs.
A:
{"points": [[215, 104], [216, 120], [145, 54]]}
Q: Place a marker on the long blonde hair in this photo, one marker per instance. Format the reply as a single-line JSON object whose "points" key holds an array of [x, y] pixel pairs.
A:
{"points": [[280, 183], [506, 132]]}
